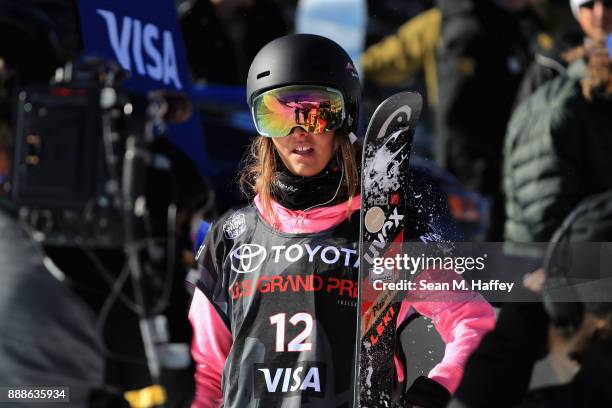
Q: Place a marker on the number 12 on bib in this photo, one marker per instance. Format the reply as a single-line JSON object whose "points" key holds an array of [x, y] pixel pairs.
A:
{"points": [[384, 219]]}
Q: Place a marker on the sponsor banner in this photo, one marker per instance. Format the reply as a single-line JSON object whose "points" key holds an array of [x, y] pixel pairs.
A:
{"points": [[145, 39]]}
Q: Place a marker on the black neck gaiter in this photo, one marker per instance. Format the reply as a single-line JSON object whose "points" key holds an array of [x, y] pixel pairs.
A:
{"points": [[301, 193]]}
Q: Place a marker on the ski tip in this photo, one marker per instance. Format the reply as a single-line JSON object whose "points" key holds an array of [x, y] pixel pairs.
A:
{"points": [[413, 99], [401, 108]]}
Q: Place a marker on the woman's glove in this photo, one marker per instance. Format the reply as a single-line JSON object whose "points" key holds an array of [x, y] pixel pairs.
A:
{"points": [[425, 393]]}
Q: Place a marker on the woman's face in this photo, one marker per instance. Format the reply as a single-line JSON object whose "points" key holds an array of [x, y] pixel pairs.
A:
{"points": [[305, 154]]}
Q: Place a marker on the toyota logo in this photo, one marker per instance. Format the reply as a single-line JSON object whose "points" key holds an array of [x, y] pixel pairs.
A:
{"points": [[247, 258]]}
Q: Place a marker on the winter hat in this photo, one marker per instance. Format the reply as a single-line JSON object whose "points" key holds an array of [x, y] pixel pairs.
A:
{"points": [[575, 4]]}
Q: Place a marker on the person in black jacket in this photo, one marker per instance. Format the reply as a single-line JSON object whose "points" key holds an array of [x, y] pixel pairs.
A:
{"points": [[576, 320], [484, 53]]}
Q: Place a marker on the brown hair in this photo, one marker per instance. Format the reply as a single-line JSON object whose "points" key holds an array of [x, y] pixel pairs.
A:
{"points": [[259, 167]]}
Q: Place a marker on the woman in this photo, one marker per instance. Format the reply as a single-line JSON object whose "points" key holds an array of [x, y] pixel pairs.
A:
{"points": [[275, 310]]}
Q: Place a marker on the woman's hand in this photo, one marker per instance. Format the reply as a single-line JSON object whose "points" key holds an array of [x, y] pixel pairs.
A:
{"points": [[425, 393]]}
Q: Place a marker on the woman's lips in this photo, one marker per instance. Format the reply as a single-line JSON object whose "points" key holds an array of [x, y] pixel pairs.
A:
{"points": [[303, 150]]}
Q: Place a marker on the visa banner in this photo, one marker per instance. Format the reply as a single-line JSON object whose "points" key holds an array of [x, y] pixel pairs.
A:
{"points": [[144, 38]]}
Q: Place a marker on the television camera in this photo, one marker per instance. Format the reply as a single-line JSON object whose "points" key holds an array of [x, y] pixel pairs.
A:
{"points": [[81, 154]]}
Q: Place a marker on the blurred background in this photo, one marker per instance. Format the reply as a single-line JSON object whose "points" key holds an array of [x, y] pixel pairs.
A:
{"points": [[123, 126]]}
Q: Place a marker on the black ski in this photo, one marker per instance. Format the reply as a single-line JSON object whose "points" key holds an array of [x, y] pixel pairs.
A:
{"points": [[384, 181]]}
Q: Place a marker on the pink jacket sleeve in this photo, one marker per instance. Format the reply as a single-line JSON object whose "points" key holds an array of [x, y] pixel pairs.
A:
{"points": [[461, 318], [210, 347]]}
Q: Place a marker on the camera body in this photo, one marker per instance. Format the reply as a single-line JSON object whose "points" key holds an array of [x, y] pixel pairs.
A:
{"points": [[67, 172]]}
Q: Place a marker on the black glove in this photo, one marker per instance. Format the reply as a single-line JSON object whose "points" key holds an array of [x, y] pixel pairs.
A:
{"points": [[426, 393]]}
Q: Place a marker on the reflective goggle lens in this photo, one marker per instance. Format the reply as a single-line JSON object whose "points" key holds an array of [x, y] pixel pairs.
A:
{"points": [[317, 109]]}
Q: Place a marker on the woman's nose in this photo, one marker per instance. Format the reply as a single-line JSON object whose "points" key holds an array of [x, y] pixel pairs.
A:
{"points": [[298, 131]]}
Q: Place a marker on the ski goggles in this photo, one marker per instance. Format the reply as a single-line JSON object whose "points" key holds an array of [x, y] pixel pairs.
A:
{"points": [[316, 109]]}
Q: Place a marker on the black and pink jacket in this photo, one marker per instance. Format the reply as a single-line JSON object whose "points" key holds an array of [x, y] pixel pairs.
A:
{"points": [[228, 306]]}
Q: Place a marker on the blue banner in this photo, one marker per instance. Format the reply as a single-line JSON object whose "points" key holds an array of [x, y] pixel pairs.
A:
{"points": [[145, 38]]}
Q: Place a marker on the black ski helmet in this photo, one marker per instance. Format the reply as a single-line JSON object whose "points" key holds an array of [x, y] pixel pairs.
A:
{"points": [[306, 59]]}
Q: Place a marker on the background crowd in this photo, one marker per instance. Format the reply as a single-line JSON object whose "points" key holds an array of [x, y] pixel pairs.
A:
{"points": [[517, 132]]}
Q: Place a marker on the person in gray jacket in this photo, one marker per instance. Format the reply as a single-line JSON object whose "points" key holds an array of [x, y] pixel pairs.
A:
{"points": [[559, 140]]}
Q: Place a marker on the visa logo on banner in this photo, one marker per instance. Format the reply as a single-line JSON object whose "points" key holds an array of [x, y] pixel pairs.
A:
{"points": [[145, 39], [142, 47]]}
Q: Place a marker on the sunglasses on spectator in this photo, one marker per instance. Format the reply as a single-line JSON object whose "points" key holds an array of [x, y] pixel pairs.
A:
{"points": [[591, 4]]}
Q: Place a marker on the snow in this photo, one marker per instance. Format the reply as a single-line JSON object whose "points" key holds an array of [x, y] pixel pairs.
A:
{"points": [[370, 371], [382, 167]]}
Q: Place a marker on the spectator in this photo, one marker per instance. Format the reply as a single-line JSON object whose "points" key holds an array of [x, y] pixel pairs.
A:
{"points": [[498, 372], [401, 56], [551, 57], [406, 59], [558, 144], [485, 51]]}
